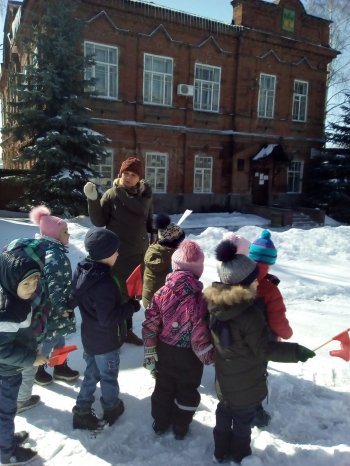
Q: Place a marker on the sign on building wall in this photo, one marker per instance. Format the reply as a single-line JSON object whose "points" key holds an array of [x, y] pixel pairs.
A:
{"points": [[288, 20]]}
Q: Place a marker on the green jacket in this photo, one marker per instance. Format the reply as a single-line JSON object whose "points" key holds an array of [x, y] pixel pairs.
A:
{"points": [[243, 346], [157, 266], [129, 215]]}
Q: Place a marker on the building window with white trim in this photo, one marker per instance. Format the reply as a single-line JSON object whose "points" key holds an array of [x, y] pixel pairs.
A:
{"points": [[206, 88], [300, 100], [295, 176], [104, 170], [267, 91], [157, 80], [156, 170], [104, 70], [203, 173]]}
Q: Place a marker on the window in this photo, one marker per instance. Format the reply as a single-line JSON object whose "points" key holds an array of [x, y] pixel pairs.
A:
{"points": [[300, 100], [203, 169], [105, 69], [156, 171], [295, 177], [267, 88], [207, 88], [104, 169], [158, 80]]}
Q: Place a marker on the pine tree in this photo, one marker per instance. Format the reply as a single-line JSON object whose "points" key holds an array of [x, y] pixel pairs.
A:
{"points": [[328, 180], [48, 118]]}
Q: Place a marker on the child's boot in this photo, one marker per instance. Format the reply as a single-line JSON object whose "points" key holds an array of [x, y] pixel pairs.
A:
{"points": [[85, 418], [65, 373], [111, 415], [42, 377], [20, 455], [222, 442], [180, 431]]}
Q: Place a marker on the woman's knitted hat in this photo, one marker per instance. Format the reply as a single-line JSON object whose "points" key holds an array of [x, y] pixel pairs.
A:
{"points": [[132, 164], [263, 250], [101, 243], [49, 225], [169, 234], [242, 243], [188, 256], [233, 268]]}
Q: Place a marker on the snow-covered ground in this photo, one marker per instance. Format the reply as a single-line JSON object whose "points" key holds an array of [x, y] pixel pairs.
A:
{"points": [[309, 402]]}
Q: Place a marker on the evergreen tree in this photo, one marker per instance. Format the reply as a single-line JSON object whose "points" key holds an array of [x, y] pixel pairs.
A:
{"points": [[328, 180], [48, 118]]}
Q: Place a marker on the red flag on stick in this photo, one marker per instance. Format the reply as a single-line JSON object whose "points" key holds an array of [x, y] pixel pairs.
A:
{"points": [[344, 351], [134, 283], [59, 355]]}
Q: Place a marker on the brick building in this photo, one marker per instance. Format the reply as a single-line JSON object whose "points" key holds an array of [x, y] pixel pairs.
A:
{"points": [[223, 115]]}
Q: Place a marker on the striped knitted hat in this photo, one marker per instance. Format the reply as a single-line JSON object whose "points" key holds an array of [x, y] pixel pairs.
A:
{"points": [[263, 250]]}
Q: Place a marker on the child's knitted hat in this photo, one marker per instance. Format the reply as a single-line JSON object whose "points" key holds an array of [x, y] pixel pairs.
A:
{"points": [[169, 234], [132, 164], [101, 243], [233, 268], [188, 256], [263, 250], [241, 243], [49, 225]]}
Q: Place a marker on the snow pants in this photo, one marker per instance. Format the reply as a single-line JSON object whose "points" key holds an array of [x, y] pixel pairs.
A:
{"points": [[176, 397]]}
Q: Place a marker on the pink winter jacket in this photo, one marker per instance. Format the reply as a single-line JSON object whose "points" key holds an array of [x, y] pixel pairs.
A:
{"points": [[178, 316]]}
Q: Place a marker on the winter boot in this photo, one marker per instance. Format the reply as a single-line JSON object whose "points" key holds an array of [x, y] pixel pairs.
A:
{"points": [[42, 377], [222, 442], [65, 373], [111, 415], [180, 431], [159, 428], [20, 455], [133, 339], [85, 418], [27, 404], [21, 437]]}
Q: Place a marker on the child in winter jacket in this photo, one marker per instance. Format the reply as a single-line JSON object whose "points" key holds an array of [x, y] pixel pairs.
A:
{"points": [[243, 347], [19, 276], [177, 341], [103, 328], [158, 256]]}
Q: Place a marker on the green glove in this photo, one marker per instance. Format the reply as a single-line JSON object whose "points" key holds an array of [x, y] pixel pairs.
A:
{"points": [[303, 353]]}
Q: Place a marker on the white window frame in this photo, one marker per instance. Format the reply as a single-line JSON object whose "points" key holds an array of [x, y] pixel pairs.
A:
{"points": [[207, 91], [153, 172], [157, 84], [295, 177], [267, 95], [108, 68], [102, 168], [300, 100], [202, 172]]}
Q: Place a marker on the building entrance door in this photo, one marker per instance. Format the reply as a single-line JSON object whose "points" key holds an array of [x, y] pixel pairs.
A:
{"points": [[260, 187]]}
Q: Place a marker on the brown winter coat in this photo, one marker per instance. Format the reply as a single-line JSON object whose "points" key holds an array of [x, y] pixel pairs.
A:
{"points": [[157, 266], [242, 358], [128, 214]]}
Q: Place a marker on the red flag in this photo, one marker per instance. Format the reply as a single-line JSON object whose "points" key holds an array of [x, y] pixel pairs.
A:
{"points": [[344, 351], [59, 355], [134, 283]]}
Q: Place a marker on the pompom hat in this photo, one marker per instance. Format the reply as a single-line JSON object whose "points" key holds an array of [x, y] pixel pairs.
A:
{"points": [[233, 268], [132, 164], [49, 225], [189, 257], [241, 243], [169, 234], [101, 243], [263, 250]]}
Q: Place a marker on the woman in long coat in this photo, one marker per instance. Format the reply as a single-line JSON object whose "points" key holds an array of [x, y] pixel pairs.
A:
{"points": [[126, 209]]}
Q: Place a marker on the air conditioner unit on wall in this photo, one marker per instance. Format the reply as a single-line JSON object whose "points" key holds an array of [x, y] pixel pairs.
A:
{"points": [[184, 89]]}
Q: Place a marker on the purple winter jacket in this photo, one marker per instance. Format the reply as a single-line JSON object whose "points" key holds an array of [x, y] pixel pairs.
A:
{"points": [[178, 316]]}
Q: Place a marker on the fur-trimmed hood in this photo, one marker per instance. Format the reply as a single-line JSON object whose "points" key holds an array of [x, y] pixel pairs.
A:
{"points": [[142, 188], [228, 301]]}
